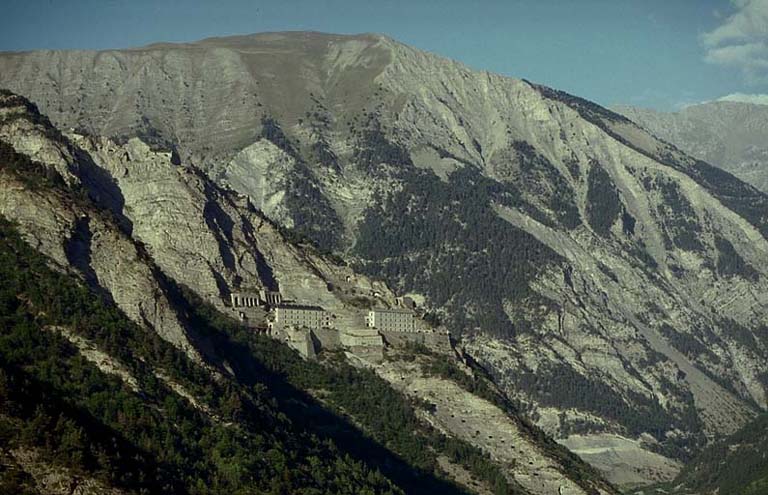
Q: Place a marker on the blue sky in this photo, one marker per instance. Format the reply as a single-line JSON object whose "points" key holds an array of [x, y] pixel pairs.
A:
{"points": [[656, 53]]}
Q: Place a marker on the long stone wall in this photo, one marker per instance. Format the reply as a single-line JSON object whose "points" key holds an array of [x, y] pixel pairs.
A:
{"points": [[361, 338]]}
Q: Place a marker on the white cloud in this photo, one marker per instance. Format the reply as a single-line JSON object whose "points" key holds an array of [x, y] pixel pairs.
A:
{"points": [[744, 98], [741, 40], [748, 55]]}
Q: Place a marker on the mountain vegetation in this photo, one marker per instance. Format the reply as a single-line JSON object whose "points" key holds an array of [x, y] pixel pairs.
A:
{"points": [[444, 240], [734, 466], [56, 402], [604, 205]]}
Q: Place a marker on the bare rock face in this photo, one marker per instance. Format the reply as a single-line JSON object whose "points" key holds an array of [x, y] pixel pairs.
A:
{"points": [[729, 134], [80, 238], [613, 285], [190, 229], [212, 239], [484, 425], [33, 135], [264, 170]]}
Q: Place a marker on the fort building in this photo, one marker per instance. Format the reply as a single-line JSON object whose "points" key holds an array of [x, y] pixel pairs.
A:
{"points": [[391, 320], [271, 297], [255, 299], [312, 317], [244, 300]]}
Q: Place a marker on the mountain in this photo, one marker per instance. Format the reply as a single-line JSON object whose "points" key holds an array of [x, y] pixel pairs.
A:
{"points": [[734, 466], [612, 286], [729, 134], [123, 370]]}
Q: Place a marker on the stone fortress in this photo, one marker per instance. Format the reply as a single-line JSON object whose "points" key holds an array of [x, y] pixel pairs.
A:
{"points": [[391, 320], [312, 317], [310, 328], [254, 299]]}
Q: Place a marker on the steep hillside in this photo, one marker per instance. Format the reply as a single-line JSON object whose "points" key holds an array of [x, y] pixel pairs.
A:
{"points": [[215, 406], [729, 134], [93, 403], [734, 466], [614, 287]]}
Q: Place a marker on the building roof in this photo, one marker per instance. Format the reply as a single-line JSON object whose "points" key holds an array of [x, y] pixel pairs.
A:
{"points": [[299, 306], [399, 311], [361, 332]]}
